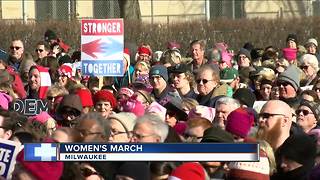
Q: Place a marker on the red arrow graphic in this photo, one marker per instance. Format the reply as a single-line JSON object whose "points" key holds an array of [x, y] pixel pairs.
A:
{"points": [[92, 47]]}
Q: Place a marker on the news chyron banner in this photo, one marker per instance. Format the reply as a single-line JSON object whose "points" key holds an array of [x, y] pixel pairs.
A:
{"points": [[8, 153], [102, 47], [142, 152]]}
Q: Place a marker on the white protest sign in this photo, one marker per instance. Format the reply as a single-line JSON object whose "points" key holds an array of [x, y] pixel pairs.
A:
{"points": [[8, 153]]}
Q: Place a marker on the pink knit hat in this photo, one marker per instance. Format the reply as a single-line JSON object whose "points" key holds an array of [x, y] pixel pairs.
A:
{"points": [[290, 54], [226, 57], [239, 122], [133, 105], [156, 108], [5, 99], [202, 111], [42, 117]]}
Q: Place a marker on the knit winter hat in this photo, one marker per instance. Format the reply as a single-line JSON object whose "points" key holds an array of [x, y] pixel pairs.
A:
{"points": [[127, 119], [314, 107], [42, 117], [125, 91], [86, 97], [105, 95], [157, 109], [144, 50], [255, 170], [216, 134], [227, 75], [300, 148], [134, 106], [71, 101], [202, 111], [245, 96], [188, 171], [226, 57], [160, 70], [135, 170], [289, 54], [45, 81], [175, 106], [292, 37], [50, 35], [65, 70], [41, 170], [5, 99], [312, 41], [245, 52], [290, 75], [239, 122]]}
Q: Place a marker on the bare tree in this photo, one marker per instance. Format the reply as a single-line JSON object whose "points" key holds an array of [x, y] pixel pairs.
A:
{"points": [[130, 9]]}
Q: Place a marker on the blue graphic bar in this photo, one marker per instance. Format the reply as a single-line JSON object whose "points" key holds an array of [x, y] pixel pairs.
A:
{"points": [[102, 67]]}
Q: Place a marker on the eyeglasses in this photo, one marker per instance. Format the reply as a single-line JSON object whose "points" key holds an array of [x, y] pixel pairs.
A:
{"points": [[304, 112], [40, 50], [70, 112], [204, 81], [86, 172], [283, 83], [240, 57], [304, 67], [15, 48], [186, 135], [114, 132], [85, 132], [268, 115], [140, 136]]}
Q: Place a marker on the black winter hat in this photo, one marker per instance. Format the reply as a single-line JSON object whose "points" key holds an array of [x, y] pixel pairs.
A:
{"points": [[245, 96], [292, 37], [50, 35], [135, 170], [216, 134], [300, 148]]}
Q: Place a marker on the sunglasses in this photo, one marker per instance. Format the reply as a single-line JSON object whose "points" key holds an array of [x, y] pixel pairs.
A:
{"points": [[304, 112], [283, 83], [15, 47], [86, 172], [171, 113], [268, 115], [304, 67], [39, 50], [204, 81]]}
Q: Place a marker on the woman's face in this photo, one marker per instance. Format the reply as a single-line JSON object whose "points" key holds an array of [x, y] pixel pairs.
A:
{"points": [[243, 61], [63, 80], [305, 118], [140, 70], [291, 44], [118, 132], [104, 107]]}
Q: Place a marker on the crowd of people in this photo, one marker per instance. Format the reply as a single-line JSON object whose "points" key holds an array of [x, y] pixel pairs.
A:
{"points": [[266, 95]]}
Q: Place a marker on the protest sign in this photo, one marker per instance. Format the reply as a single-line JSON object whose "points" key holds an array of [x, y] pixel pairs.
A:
{"points": [[102, 47], [8, 153]]}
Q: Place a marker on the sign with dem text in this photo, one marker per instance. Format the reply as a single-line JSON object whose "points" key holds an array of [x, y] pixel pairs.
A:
{"points": [[8, 153], [102, 47]]}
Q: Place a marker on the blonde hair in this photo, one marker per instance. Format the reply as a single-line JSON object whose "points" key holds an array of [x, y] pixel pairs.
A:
{"points": [[189, 103], [57, 90], [266, 147]]}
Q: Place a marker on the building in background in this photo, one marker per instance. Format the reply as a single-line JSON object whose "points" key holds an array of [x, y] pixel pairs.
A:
{"points": [[164, 11]]}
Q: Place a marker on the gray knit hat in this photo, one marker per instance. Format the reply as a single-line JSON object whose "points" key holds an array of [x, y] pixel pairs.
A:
{"points": [[160, 70], [314, 107], [291, 75], [245, 52]]}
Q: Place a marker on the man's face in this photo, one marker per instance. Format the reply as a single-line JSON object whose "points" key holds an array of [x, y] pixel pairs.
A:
{"points": [[265, 91], [194, 134], [205, 82], [197, 54], [4, 134], [143, 133], [34, 79], [90, 131], [286, 90], [180, 80], [41, 51], [16, 49], [305, 118], [222, 112], [157, 82], [271, 121]]}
